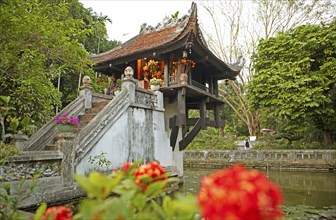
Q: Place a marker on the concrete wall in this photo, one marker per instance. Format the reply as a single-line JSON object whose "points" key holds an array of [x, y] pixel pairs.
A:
{"points": [[171, 109], [274, 159], [141, 132]]}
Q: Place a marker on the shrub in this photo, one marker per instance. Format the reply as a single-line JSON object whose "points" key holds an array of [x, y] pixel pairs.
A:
{"points": [[138, 193]]}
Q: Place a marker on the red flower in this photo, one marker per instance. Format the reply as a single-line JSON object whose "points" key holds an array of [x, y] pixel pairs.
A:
{"points": [[57, 213], [127, 166], [238, 193], [151, 170]]}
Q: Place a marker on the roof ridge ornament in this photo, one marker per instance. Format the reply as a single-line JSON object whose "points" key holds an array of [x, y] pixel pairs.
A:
{"points": [[239, 62], [168, 21], [193, 12]]}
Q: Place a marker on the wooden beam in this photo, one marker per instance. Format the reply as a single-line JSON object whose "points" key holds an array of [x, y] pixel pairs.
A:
{"points": [[190, 136], [208, 122], [185, 131], [174, 131], [202, 59]]}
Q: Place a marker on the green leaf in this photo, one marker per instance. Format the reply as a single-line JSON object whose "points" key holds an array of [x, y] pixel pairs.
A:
{"points": [[139, 201], [5, 99], [155, 188], [158, 210], [40, 211]]}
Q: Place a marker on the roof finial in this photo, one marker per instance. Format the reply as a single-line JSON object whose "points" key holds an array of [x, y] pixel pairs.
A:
{"points": [[193, 12]]}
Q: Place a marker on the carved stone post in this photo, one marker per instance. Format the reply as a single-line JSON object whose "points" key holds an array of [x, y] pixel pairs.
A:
{"points": [[129, 83], [85, 90], [65, 144]]}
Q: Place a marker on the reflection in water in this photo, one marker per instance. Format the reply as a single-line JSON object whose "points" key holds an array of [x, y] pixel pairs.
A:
{"points": [[317, 189]]}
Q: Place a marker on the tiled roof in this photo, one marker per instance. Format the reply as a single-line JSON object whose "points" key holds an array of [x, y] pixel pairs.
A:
{"points": [[140, 43], [166, 33]]}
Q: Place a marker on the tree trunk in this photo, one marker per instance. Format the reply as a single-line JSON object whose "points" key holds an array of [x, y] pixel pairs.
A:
{"points": [[328, 138], [221, 131]]}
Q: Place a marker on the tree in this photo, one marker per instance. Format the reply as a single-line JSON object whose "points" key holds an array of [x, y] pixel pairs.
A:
{"points": [[237, 27], [39, 41], [295, 79], [96, 41]]}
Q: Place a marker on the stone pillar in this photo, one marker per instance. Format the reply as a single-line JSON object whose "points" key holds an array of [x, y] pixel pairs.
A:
{"points": [[85, 90], [129, 83], [65, 144], [160, 99], [20, 141]]}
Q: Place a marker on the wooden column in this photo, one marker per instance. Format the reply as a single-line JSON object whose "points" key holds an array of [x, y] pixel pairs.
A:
{"points": [[215, 86], [211, 85], [181, 104], [203, 114], [217, 110], [179, 70], [174, 131], [166, 71]]}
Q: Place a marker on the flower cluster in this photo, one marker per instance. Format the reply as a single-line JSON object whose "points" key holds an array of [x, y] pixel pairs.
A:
{"points": [[57, 213], [65, 119], [155, 81], [233, 193], [238, 193], [149, 173], [152, 66]]}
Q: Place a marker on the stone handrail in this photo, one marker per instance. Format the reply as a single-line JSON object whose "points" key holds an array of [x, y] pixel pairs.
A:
{"points": [[319, 159], [48, 132], [27, 163], [97, 127]]}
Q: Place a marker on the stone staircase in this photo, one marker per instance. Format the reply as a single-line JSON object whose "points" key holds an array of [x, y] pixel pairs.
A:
{"points": [[83, 120]]}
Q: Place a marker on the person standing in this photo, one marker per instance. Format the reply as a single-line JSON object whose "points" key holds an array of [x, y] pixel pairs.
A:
{"points": [[246, 143]]}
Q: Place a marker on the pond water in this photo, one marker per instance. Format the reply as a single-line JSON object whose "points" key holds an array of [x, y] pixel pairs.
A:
{"points": [[317, 189]]}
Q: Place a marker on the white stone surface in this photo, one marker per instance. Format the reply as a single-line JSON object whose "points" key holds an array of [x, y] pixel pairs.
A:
{"points": [[139, 133]]}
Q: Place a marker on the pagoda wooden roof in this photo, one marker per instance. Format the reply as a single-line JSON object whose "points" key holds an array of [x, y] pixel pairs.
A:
{"points": [[183, 33]]}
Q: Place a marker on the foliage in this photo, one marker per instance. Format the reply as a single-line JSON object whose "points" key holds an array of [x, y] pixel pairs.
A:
{"points": [[8, 203], [137, 192], [95, 41], [100, 162], [234, 34], [131, 200], [236, 115], [65, 119], [155, 81], [211, 139], [152, 66], [39, 40], [10, 124], [295, 81]]}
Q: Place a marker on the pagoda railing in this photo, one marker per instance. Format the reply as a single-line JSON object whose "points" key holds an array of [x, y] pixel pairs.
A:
{"points": [[173, 81]]}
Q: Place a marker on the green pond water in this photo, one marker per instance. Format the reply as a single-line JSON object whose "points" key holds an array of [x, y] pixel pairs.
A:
{"points": [[317, 189]]}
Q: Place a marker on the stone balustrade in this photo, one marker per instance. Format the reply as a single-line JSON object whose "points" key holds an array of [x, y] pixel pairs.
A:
{"points": [[284, 159]]}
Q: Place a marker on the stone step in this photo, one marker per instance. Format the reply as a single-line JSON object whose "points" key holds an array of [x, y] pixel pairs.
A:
{"points": [[87, 117], [50, 147], [84, 120], [100, 104]]}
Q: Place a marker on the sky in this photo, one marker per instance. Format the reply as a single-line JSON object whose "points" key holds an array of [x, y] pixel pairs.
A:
{"points": [[127, 16]]}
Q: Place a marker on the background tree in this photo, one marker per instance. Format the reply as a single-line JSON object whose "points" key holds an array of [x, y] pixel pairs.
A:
{"points": [[295, 80], [39, 41], [95, 41], [237, 27]]}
